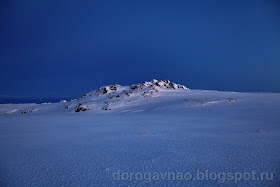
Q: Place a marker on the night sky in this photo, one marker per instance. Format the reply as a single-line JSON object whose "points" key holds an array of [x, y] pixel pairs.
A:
{"points": [[68, 48]]}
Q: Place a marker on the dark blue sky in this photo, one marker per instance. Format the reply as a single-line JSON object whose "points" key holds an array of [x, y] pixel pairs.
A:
{"points": [[67, 48]]}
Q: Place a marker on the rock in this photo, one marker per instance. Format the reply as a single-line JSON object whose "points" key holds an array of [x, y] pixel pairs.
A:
{"points": [[161, 84], [66, 106], [29, 111], [81, 107]]}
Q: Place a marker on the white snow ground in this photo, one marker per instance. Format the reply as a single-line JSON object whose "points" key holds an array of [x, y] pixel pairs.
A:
{"points": [[162, 130]]}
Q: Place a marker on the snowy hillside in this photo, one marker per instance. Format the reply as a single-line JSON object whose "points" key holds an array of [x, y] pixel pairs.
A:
{"points": [[145, 96], [146, 128]]}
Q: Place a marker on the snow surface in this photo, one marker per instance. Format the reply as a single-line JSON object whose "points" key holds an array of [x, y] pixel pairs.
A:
{"points": [[147, 127]]}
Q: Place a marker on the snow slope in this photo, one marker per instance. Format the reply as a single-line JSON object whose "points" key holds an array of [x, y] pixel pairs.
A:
{"points": [[155, 126], [145, 96]]}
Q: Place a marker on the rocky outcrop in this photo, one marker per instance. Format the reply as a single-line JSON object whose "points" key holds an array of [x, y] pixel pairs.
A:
{"points": [[82, 107], [160, 84], [29, 111], [107, 88]]}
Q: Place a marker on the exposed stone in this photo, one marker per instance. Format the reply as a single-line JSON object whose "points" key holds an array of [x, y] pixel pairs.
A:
{"points": [[29, 111], [81, 107]]}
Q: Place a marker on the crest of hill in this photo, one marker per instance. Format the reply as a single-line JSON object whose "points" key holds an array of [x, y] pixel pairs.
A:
{"points": [[149, 85]]}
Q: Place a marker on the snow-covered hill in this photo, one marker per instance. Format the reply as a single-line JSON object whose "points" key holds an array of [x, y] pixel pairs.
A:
{"points": [[145, 96]]}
